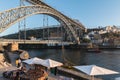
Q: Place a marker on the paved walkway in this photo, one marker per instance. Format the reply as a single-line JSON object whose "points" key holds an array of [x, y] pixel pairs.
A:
{"points": [[58, 77]]}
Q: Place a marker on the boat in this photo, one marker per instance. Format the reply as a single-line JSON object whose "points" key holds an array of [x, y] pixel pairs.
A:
{"points": [[97, 50], [118, 47], [93, 48]]}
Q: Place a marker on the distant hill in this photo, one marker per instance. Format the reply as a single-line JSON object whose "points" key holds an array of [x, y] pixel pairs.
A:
{"points": [[37, 33]]}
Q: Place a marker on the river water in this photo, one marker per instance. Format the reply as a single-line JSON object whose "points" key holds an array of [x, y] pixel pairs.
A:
{"points": [[109, 59]]}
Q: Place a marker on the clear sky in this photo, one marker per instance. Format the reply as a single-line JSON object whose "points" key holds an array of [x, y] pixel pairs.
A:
{"points": [[91, 13]]}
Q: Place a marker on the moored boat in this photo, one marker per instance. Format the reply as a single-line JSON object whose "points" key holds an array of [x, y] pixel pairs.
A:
{"points": [[94, 50]]}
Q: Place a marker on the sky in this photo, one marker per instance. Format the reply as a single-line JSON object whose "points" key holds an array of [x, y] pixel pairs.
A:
{"points": [[91, 13]]}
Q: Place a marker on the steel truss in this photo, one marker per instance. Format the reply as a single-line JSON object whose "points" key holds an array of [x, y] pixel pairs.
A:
{"points": [[10, 17]]}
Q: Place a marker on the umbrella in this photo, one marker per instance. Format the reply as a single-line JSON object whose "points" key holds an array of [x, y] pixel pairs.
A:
{"points": [[34, 60], [51, 63], [95, 70]]}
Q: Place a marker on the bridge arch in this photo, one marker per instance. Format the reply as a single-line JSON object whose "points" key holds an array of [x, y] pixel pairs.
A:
{"points": [[10, 17]]}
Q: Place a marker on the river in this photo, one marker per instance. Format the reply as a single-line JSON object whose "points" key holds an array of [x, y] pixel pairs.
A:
{"points": [[109, 59]]}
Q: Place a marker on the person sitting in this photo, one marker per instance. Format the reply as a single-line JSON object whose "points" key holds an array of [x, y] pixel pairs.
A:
{"points": [[24, 68], [17, 76], [45, 75]]}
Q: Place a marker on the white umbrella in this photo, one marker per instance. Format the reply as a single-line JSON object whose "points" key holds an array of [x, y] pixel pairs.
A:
{"points": [[51, 63], [95, 70], [34, 60]]}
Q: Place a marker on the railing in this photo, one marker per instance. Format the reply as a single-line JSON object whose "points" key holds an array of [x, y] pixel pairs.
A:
{"points": [[34, 41]]}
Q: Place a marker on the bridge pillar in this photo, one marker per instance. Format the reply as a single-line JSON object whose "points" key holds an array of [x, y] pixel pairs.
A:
{"points": [[1, 47], [78, 40]]}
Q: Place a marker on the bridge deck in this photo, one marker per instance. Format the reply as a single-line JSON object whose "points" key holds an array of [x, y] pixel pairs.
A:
{"points": [[7, 41]]}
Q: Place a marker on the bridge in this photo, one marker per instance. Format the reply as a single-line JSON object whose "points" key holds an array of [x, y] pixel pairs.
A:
{"points": [[14, 15], [15, 44], [48, 42]]}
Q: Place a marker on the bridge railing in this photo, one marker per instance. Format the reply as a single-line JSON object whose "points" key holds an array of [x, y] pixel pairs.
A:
{"points": [[34, 41]]}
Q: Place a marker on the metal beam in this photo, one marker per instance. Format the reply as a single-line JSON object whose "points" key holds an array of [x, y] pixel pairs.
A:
{"points": [[10, 17], [40, 2]]}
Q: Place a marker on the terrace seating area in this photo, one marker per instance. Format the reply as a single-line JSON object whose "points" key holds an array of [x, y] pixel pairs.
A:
{"points": [[32, 74]]}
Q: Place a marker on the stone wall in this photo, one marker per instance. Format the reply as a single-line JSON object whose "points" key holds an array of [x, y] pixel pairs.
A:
{"points": [[3, 62], [12, 47]]}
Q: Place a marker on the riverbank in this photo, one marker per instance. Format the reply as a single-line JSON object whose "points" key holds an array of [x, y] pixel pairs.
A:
{"points": [[62, 72], [71, 46]]}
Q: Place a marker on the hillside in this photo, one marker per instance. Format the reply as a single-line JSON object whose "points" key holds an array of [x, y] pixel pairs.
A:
{"points": [[37, 33]]}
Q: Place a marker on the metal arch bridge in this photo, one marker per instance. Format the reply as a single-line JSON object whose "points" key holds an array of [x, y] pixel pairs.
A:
{"points": [[10, 17]]}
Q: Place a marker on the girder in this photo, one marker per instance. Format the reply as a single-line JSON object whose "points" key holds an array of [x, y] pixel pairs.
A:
{"points": [[40, 2], [76, 25], [34, 1], [10, 17]]}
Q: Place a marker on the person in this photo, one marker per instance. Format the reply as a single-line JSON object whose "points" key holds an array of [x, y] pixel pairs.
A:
{"points": [[45, 75], [17, 76], [24, 69], [19, 63], [16, 62], [55, 71]]}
